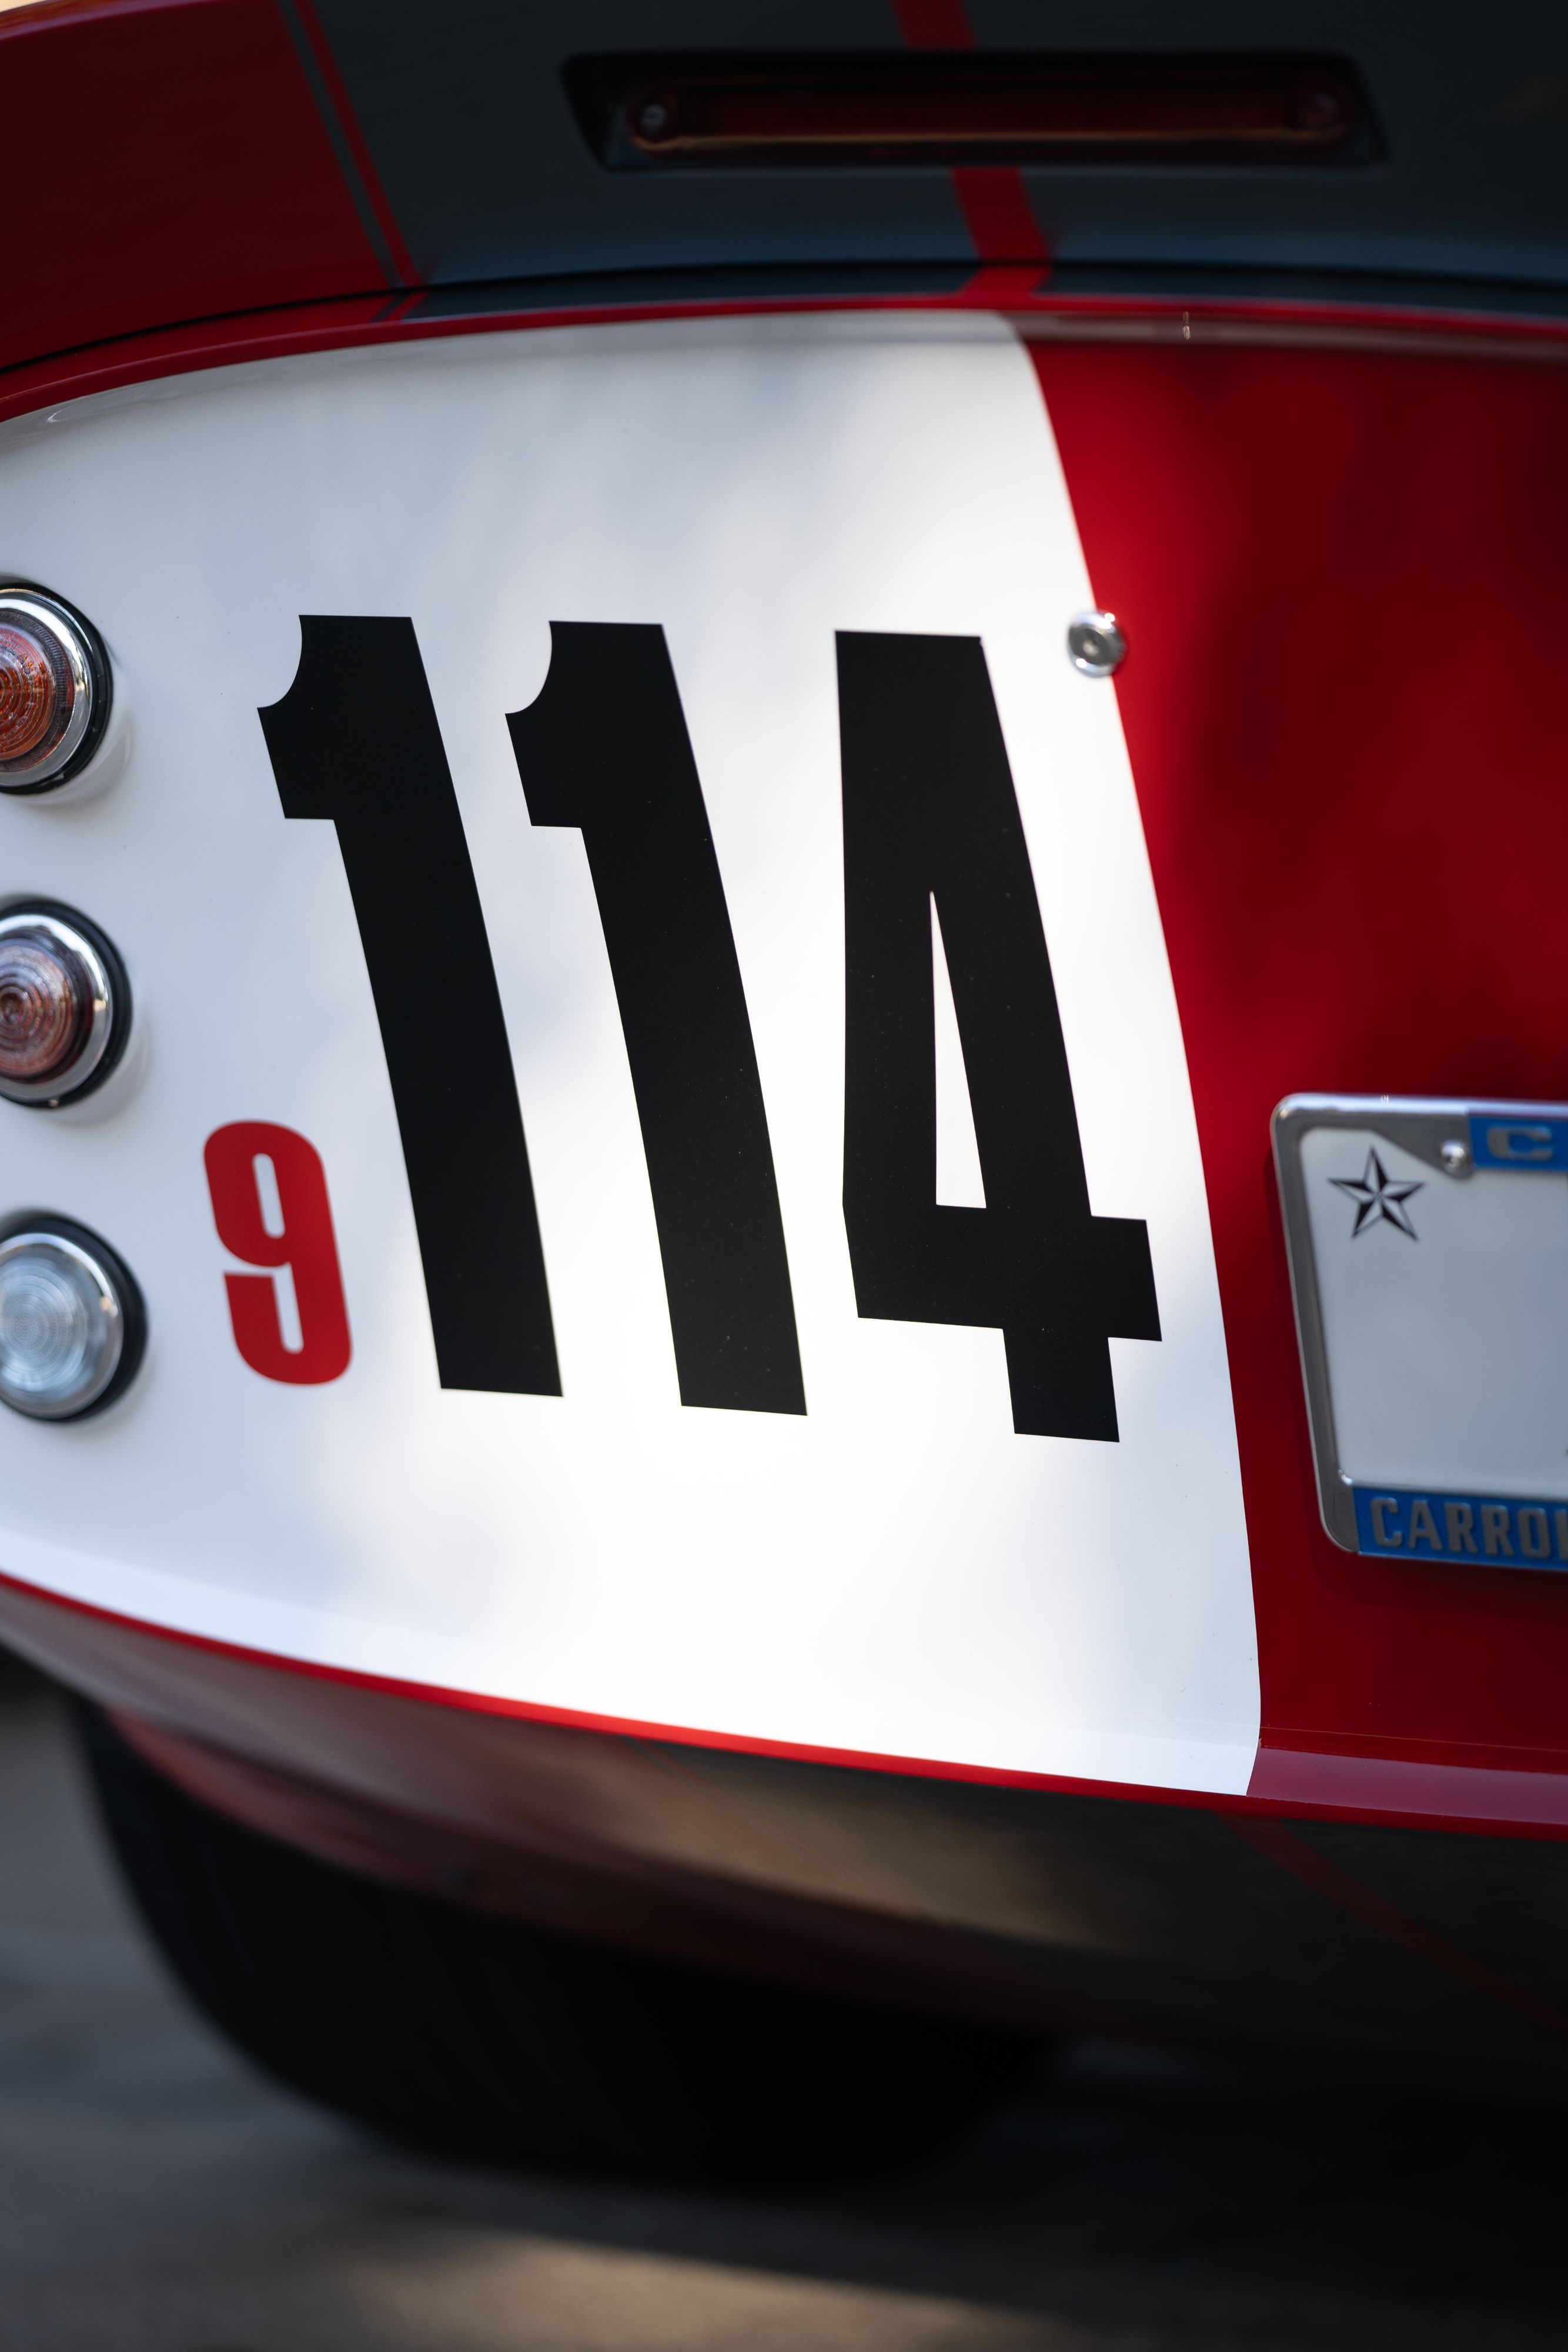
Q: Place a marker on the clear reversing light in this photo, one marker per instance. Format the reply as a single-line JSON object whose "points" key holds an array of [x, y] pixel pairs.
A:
{"points": [[53, 691], [65, 1005], [71, 1324]]}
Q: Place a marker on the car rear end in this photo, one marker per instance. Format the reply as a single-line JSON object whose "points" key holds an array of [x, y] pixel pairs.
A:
{"points": [[783, 1228]]}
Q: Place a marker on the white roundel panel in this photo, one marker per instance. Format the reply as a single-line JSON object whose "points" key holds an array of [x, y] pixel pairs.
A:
{"points": [[816, 1394]]}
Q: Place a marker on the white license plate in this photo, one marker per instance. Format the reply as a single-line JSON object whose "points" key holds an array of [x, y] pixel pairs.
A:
{"points": [[1428, 1245]]}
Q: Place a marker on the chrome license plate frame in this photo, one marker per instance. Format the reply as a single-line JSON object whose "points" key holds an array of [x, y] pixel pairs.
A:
{"points": [[1433, 1382]]}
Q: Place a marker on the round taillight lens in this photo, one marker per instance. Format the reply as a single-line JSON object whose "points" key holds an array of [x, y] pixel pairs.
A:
{"points": [[53, 691], [65, 1006], [36, 690], [71, 1324]]}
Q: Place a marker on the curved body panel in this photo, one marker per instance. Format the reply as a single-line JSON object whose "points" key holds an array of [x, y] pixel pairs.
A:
{"points": [[697, 1134], [590, 1491], [1336, 1939]]}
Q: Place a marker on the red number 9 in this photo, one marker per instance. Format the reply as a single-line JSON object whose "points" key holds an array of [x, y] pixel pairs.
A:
{"points": [[303, 1243]]}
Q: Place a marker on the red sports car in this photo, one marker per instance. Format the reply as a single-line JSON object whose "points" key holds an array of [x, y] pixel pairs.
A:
{"points": [[784, 1193]]}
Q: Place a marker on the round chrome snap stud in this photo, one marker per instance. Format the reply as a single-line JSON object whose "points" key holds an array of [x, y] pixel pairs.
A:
{"points": [[71, 1321], [1095, 644], [53, 691], [65, 1005]]}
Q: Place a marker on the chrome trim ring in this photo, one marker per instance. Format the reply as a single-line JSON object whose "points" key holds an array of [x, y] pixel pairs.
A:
{"points": [[110, 1017], [55, 762], [86, 1261]]}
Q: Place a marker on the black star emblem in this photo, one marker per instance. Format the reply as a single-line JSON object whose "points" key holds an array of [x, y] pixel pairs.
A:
{"points": [[1376, 1200]]}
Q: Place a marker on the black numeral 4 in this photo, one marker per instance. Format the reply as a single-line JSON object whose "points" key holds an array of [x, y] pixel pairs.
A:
{"points": [[930, 813]]}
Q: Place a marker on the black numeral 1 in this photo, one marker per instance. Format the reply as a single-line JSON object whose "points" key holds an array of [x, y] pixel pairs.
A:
{"points": [[930, 812], [356, 739], [605, 748]]}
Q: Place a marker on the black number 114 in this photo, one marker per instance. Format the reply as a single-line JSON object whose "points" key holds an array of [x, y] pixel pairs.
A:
{"points": [[929, 812]]}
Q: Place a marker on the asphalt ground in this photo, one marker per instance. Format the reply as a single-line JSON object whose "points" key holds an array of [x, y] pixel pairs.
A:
{"points": [[157, 2196]]}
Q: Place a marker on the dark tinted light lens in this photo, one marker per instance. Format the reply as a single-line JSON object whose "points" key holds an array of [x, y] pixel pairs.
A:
{"points": [[947, 109], [34, 691], [46, 998], [65, 1003], [55, 691]]}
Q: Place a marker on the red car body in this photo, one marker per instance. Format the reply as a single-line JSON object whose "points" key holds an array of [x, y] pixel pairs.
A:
{"points": [[1312, 429]]}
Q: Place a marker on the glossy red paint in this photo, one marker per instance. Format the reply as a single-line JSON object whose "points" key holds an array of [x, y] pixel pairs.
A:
{"points": [[203, 180], [1338, 568], [357, 160], [185, 167], [780, 1863], [1341, 582], [180, 350], [1014, 290], [1301, 608], [76, 1640], [80, 1644]]}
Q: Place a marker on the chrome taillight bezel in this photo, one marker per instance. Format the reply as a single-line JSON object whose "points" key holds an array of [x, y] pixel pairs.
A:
{"points": [[108, 1027], [119, 1297], [92, 689]]}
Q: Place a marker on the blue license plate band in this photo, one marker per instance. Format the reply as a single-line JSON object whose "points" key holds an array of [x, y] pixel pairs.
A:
{"points": [[1520, 1140], [1485, 1530]]}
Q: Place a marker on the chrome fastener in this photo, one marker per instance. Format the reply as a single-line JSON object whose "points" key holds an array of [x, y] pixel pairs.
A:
{"points": [[1095, 644]]}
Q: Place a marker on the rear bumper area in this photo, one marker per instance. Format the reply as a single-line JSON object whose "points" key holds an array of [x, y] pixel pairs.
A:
{"points": [[1421, 1955]]}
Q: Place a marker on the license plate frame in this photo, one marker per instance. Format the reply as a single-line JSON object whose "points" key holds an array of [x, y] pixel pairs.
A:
{"points": [[1493, 1513]]}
